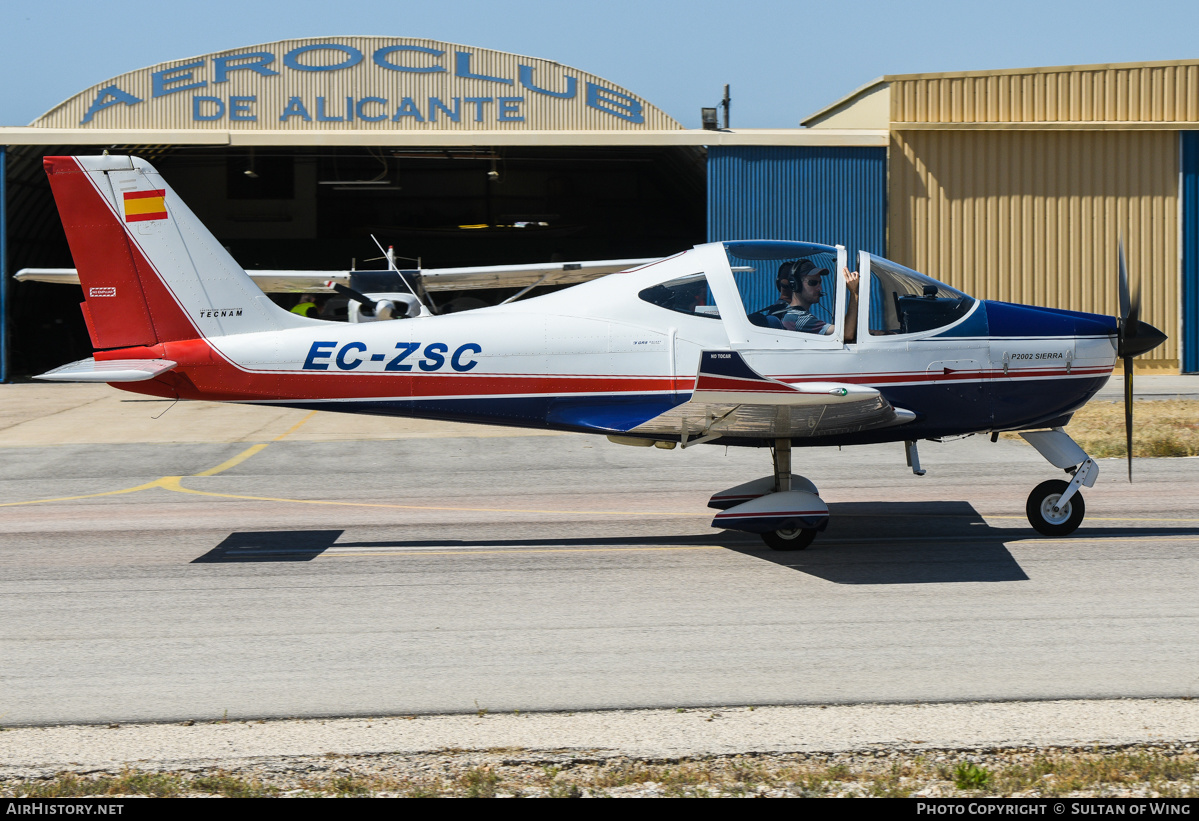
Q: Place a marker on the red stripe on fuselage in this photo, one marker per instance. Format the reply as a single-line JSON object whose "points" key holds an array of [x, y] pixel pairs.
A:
{"points": [[732, 383], [204, 373]]}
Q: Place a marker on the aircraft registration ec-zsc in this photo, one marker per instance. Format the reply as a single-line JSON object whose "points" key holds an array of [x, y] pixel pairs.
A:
{"points": [[668, 353]]}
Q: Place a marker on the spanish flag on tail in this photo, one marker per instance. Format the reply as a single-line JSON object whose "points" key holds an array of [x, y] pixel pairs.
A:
{"points": [[145, 205]]}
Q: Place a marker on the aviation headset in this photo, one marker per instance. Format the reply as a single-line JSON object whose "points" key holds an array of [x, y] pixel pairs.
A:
{"points": [[795, 271]]}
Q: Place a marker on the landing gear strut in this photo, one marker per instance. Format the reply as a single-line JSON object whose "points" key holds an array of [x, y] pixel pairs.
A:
{"points": [[784, 509], [1056, 508], [789, 538]]}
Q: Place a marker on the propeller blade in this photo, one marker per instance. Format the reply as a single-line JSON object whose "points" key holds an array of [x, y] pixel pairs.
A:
{"points": [[1128, 367], [351, 293], [1125, 302], [1132, 323], [1135, 338]]}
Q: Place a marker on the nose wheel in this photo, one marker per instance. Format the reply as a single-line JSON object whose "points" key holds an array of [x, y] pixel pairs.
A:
{"points": [[1048, 515], [1055, 508]]}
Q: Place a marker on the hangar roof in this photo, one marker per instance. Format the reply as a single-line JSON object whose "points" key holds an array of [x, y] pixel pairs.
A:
{"points": [[1125, 96], [378, 91], [348, 137]]}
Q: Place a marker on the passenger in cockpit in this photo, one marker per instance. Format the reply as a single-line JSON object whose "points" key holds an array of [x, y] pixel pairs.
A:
{"points": [[772, 315], [807, 289]]}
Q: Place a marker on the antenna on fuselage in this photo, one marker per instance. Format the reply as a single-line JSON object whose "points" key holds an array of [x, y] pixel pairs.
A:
{"points": [[389, 255]]}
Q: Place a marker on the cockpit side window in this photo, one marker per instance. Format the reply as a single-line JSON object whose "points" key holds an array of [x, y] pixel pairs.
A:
{"points": [[687, 295], [766, 287], [903, 301]]}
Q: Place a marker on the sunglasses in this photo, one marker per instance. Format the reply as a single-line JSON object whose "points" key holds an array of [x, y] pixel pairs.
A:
{"points": [[813, 282]]}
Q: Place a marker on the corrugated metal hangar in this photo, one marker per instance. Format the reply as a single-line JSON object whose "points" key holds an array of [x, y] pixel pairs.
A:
{"points": [[1013, 185]]}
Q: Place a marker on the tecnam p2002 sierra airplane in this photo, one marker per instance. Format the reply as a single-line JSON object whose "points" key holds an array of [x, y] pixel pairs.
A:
{"points": [[668, 353]]}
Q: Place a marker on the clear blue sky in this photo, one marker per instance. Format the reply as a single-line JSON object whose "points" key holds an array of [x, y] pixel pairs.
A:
{"points": [[784, 58]]}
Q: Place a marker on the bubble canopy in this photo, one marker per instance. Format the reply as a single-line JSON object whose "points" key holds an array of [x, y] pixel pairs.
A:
{"points": [[776, 249]]}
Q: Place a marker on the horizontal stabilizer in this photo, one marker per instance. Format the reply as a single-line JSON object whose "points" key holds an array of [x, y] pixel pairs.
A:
{"points": [[111, 370]]}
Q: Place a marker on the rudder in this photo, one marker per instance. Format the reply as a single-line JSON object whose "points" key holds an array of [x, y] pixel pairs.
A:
{"points": [[150, 271]]}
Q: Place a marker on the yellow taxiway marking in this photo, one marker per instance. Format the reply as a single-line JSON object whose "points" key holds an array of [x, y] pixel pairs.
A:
{"points": [[168, 482], [175, 483], [474, 552], [1099, 537], [253, 449], [146, 486], [234, 462], [293, 428]]}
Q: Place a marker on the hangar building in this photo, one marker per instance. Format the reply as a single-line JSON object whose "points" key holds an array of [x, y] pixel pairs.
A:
{"points": [[1019, 185], [1010, 184], [295, 152]]}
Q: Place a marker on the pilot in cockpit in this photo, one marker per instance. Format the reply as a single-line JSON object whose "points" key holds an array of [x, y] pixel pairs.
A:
{"points": [[807, 289]]}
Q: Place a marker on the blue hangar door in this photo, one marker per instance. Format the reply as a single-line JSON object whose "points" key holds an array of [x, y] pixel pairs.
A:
{"points": [[826, 194], [1190, 252]]}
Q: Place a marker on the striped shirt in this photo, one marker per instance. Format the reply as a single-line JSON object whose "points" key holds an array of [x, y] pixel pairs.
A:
{"points": [[797, 319]]}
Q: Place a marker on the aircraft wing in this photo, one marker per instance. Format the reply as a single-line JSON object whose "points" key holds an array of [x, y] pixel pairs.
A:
{"points": [[434, 279], [508, 276], [732, 399]]}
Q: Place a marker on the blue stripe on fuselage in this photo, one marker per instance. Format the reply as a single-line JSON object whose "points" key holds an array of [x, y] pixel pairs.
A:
{"points": [[586, 414], [948, 409]]}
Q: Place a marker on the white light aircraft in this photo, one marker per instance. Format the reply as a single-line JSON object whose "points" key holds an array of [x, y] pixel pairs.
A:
{"points": [[671, 353]]}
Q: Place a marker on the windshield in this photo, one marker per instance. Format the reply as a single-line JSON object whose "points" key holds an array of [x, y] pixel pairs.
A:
{"points": [[903, 301]]}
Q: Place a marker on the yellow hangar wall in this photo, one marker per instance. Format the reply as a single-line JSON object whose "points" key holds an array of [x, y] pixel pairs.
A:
{"points": [[1036, 218], [1019, 184]]}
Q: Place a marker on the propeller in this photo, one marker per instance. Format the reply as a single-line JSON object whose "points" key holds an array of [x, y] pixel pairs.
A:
{"points": [[383, 308], [1135, 339]]}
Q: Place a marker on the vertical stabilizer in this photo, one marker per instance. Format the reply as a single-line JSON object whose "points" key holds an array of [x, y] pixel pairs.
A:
{"points": [[150, 271]]}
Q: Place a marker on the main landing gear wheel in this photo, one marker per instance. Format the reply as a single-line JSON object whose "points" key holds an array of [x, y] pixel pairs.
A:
{"points": [[794, 539], [1042, 516]]}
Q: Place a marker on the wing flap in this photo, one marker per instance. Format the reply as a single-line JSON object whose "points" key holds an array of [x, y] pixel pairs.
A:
{"points": [[731, 399], [110, 370]]}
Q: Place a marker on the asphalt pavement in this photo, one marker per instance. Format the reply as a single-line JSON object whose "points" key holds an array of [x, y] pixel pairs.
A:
{"points": [[255, 563]]}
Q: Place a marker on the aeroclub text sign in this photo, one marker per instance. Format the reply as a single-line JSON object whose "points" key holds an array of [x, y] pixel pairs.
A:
{"points": [[359, 82]]}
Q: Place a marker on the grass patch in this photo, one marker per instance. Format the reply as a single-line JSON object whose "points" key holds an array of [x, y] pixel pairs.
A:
{"points": [[230, 786], [479, 782], [130, 782], [1169, 427], [970, 776], [1146, 771]]}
